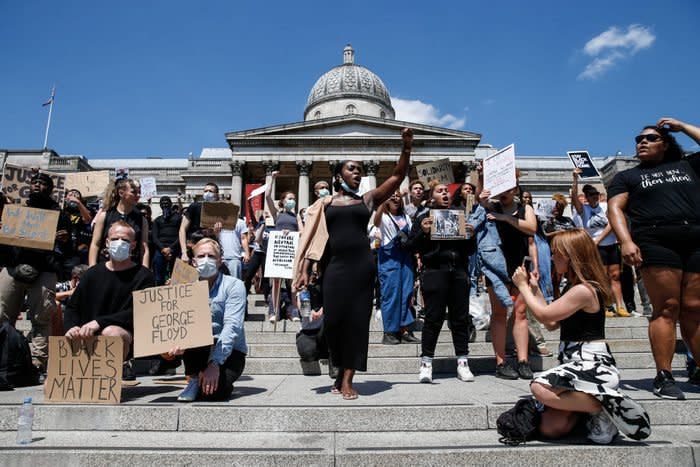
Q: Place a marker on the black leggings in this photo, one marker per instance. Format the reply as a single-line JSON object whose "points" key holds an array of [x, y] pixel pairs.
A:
{"points": [[444, 288], [197, 359]]}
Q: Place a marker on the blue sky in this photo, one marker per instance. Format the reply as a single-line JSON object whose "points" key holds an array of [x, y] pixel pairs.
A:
{"points": [[166, 78]]}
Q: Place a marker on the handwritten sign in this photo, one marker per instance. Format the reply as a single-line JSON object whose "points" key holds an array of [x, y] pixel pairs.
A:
{"points": [[583, 161], [499, 171], [171, 316], [219, 211], [28, 227], [88, 184], [148, 187], [16, 184], [183, 273], [439, 170], [545, 208], [448, 224], [279, 261], [84, 370]]}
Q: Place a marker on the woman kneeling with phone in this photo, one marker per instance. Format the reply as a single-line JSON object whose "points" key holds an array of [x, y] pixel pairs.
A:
{"points": [[586, 382]]}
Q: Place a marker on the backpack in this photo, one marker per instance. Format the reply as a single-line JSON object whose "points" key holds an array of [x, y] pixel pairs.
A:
{"points": [[16, 368], [520, 423]]}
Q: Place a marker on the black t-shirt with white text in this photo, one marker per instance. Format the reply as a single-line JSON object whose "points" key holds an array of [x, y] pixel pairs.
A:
{"points": [[663, 193]]}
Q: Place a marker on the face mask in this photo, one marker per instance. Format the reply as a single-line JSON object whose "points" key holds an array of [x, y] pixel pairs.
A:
{"points": [[323, 192], [72, 207], [166, 212], [347, 189], [206, 267], [209, 196], [290, 204], [119, 250]]}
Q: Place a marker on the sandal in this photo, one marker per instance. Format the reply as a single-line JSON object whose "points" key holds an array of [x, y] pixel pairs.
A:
{"points": [[350, 396]]}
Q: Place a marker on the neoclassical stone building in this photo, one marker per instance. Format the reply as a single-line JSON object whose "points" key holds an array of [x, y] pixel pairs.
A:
{"points": [[348, 115]]}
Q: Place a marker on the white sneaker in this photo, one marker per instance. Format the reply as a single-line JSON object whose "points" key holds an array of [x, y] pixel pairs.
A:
{"points": [[601, 429], [426, 373], [191, 391], [463, 371], [272, 318]]}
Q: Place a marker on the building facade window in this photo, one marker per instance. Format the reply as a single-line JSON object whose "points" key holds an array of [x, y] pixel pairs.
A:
{"points": [[317, 114], [350, 109], [382, 114]]}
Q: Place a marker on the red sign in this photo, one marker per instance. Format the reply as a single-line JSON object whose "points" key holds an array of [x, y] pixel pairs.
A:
{"points": [[255, 203]]}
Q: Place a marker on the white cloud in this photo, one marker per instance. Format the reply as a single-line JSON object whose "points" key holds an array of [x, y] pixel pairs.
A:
{"points": [[614, 45], [419, 112]]}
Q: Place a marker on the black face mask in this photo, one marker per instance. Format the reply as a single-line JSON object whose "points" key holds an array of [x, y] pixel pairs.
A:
{"points": [[72, 207], [40, 199], [167, 211]]}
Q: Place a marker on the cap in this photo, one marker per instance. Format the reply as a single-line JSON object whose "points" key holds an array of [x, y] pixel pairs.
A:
{"points": [[44, 178]]}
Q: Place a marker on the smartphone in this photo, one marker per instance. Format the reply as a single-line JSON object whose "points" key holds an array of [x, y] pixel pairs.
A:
{"points": [[527, 264]]}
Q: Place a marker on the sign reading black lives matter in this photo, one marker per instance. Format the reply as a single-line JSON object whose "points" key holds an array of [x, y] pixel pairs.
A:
{"points": [[279, 261], [583, 161], [171, 316], [16, 183], [84, 370]]}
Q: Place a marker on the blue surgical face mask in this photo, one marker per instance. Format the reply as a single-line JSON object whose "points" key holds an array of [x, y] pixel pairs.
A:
{"points": [[323, 192], [119, 250], [290, 204], [346, 188], [209, 196], [207, 267]]}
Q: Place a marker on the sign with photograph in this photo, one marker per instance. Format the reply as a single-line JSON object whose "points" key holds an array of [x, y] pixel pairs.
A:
{"points": [[171, 316], [582, 160], [281, 249], [448, 224], [16, 183], [439, 170], [499, 171], [92, 183], [219, 211], [84, 370], [148, 187], [28, 227]]}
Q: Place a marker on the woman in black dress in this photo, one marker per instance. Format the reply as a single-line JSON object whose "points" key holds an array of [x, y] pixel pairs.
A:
{"points": [[348, 266]]}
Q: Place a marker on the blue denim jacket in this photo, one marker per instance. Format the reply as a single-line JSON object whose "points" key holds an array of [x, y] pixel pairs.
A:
{"points": [[488, 258], [227, 300]]}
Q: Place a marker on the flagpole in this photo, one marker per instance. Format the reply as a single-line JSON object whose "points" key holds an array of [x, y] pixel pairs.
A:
{"points": [[48, 122]]}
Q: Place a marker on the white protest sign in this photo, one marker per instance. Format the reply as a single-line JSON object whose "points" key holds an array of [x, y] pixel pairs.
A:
{"points": [[148, 187], [281, 249], [582, 160], [439, 170], [545, 208], [499, 171]]}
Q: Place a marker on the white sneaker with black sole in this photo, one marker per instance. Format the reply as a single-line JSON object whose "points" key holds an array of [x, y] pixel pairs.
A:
{"points": [[426, 373], [463, 371]]}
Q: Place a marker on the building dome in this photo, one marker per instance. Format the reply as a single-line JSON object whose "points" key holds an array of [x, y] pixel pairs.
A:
{"points": [[348, 89]]}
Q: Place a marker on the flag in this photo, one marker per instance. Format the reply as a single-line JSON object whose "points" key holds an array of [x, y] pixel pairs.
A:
{"points": [[50, 101]]}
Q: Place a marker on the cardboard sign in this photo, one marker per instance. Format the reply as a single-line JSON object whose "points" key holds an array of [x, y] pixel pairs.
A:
{"points": [[171, 316], [583, 161], [439, 170], [219, 211], [88, 183], [499, 171], [183, 273], [279, 261], [545, 208], [448, 224], [84, 370], [28, 227], [16, 184], [148, 187]]}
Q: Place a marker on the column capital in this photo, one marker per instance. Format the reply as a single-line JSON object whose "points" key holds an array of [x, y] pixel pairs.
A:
{"points": [[469, 165], [371, 167], [270, 166], [304, 167], [237, 168]]}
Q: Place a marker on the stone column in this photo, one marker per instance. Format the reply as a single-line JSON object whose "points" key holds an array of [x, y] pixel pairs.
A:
{"points": [[237, 183], [332, 165], [371, 169], [304, 168], [270, 166]]}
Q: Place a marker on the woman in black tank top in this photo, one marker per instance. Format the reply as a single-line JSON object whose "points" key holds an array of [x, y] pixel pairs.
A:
{"points": [[120, 203], [586, 382]]}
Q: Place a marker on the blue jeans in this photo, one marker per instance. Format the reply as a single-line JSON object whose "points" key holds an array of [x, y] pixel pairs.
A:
{"points": [[234, 267]]}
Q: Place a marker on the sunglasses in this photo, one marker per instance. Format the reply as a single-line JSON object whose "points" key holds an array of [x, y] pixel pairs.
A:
{"points": [[651, 137]]}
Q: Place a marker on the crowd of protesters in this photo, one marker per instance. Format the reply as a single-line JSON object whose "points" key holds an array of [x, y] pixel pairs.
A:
{"points": [[646, 235]]}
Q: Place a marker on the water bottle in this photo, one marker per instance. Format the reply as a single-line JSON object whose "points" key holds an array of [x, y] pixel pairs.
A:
{"points": [[24, 422], [305, 303]]}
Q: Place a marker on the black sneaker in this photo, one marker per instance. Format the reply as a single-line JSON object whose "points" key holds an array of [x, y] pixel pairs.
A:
{"points": [[665, 386], [409, 338], [128, 373], [694, 376], [390, 339], [504, 371], [524, 370]]}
